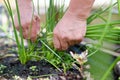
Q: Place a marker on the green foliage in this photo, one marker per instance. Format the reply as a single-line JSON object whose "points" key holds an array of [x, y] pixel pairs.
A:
{"points": [[2, 68], [33, 68], [53, 14], [99, 63], [118, 1], [98, 13]]}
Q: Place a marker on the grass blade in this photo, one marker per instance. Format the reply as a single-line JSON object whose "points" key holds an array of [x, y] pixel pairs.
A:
{"points": [[51, 50], [118, 1], [7, 4], [109, 69]]}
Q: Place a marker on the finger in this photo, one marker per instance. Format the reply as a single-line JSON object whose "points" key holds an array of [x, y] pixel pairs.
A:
{"points": [[75, 40], [71, 40], [35, 29], [26, 27], [33, 35], [79, 38], [38, 28], [64, 44], [38, 25], [24, 35], [56, 41], [36, 18], [27, 34], [33, 39]]}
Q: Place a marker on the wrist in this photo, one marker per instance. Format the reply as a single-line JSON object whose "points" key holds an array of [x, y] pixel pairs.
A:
{"points": [[80, 8], [73, 15], [25, 4]]}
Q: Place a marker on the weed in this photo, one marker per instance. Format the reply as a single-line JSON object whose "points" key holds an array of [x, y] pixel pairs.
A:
{"points": [[33, 68], [2, 68]]}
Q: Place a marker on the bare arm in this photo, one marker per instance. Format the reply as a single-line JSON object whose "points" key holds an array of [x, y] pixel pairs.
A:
{"points": [[25, 5], [80, 8], [26, 10]]}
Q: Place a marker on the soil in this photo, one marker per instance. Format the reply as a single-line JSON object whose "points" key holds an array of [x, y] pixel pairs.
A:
{"points": [[42, 71], [42, 68]]}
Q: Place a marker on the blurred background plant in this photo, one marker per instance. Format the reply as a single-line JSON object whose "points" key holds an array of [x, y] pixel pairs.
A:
{"points": [[102, 38]]}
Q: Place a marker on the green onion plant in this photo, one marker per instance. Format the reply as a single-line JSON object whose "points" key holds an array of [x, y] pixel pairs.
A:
{"points": [[118, 1], [23, 53]]}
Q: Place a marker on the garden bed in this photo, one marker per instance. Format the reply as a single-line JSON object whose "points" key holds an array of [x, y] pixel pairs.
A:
{"points": [[11, 68]]}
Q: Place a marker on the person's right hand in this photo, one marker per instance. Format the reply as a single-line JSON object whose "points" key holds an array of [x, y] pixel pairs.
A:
{"points": [[30, 23], [69, 31]]}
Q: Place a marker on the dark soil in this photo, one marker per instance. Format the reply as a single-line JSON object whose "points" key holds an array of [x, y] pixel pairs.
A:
{"points": [[14, 67], [42, 68]]}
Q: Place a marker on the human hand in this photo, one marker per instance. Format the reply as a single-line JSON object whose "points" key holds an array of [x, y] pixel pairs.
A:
{"points": [[30, 22], [30, 25], [69, 31]]}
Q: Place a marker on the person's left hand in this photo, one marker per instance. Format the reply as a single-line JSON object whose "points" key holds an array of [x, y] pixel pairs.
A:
{"points": [[69, 31], [30, 22]]}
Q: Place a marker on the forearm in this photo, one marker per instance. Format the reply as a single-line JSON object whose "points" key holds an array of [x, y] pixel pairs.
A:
{"points": [[80, 8], [25, 5]]}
